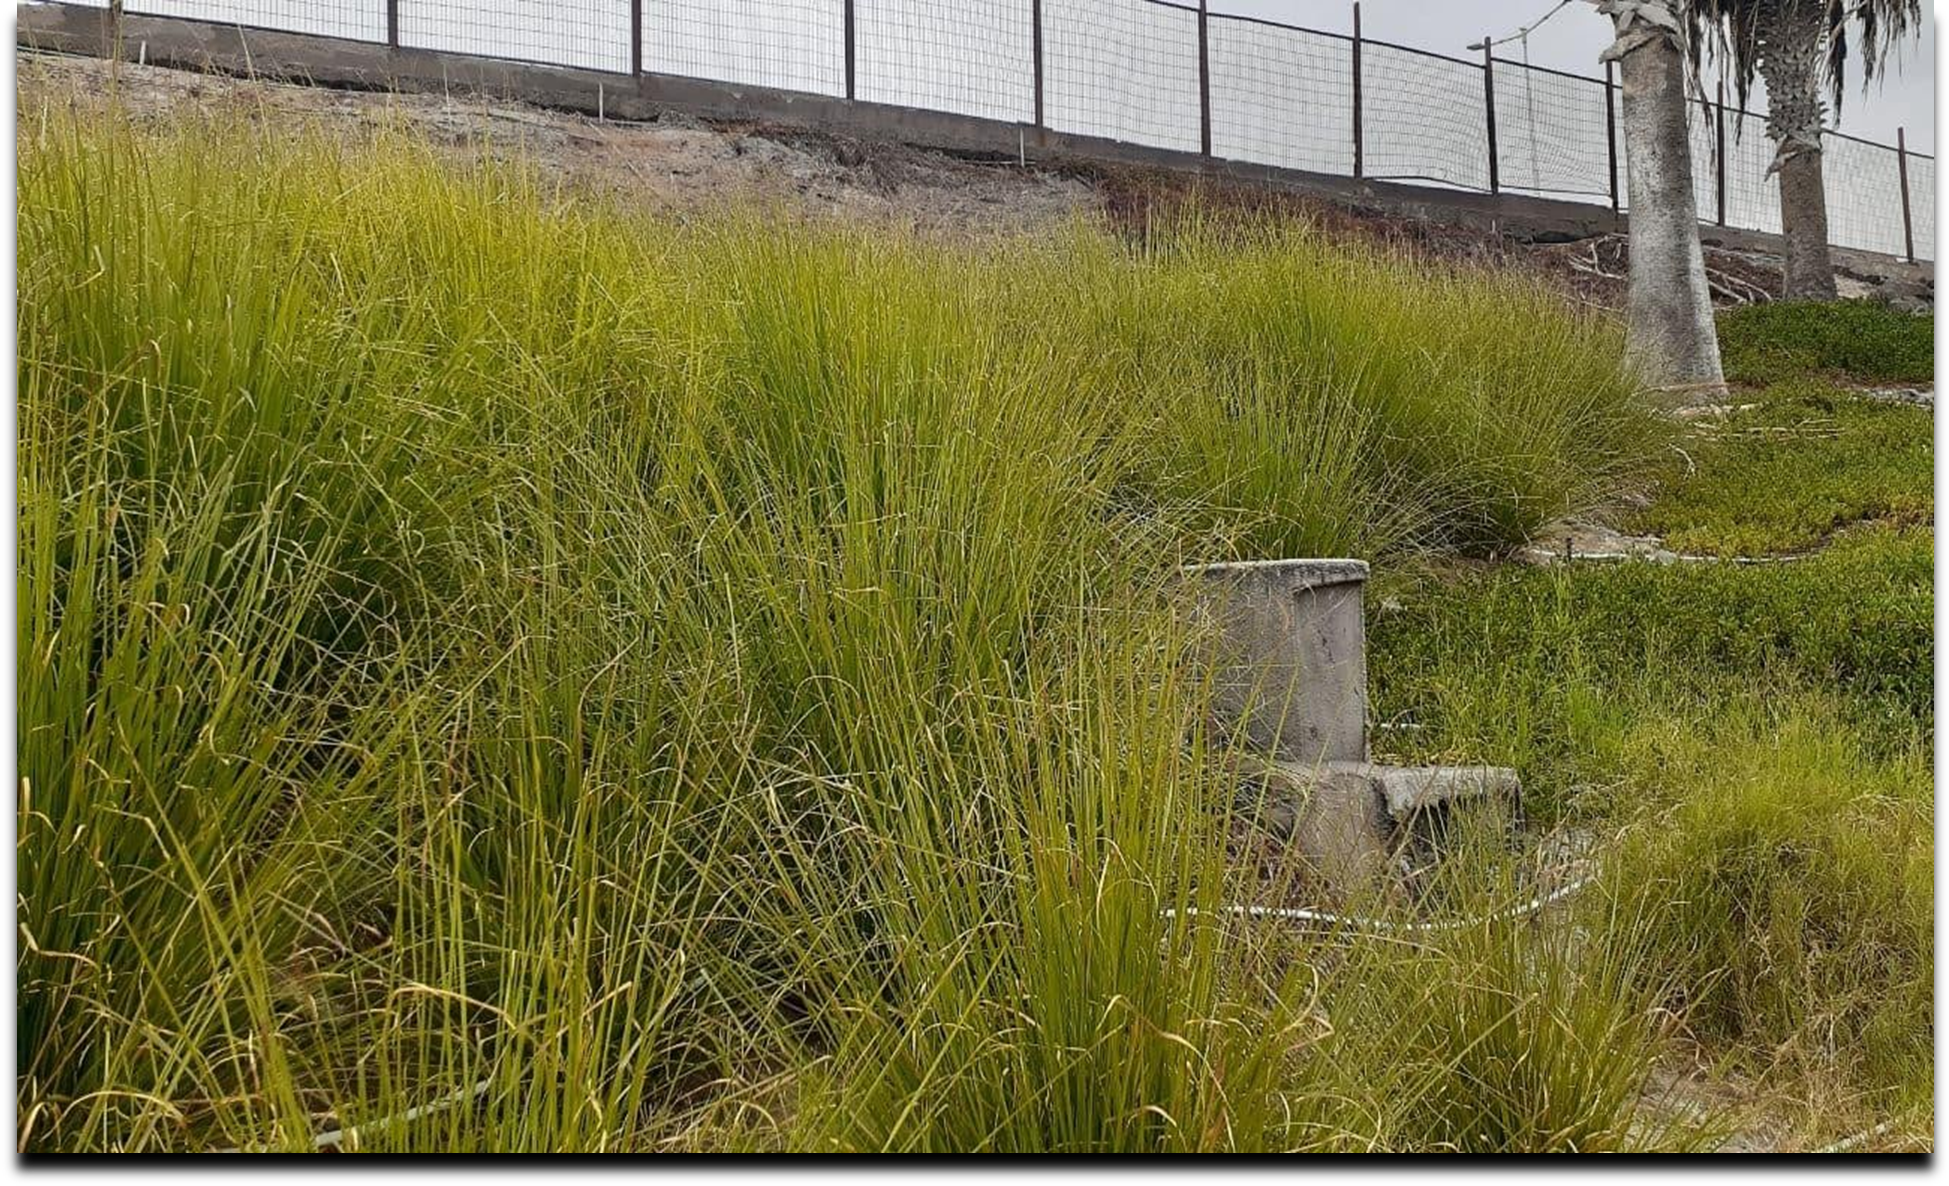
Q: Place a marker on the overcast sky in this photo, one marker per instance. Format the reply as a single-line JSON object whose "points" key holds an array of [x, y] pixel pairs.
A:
{"points": [[1572, 39]]}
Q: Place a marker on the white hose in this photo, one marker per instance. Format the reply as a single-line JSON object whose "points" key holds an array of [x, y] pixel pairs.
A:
{"points": [[1552, 554], [1327, 918], [333, 1137]]}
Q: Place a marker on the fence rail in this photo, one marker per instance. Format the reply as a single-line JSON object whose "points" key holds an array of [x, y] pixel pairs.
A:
{"points": [[1158, 73]]}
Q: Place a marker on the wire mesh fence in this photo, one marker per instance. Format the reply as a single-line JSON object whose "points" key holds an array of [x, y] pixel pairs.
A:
{"points": [[1864, 195], [1552, 133], [1921, 194], [1160, 73], [356, 20], [1281, 96], [793, 45], [591, 34], [1425, 117], [1123, 70], [970, 58], [1752, 197]]}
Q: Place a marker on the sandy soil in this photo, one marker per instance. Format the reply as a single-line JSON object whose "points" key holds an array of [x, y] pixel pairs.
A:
{"points": [[674, 164], [679, 163]]}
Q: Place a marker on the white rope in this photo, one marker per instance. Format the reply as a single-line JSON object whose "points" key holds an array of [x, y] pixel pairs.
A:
{"points": [[1383, 926], [1540, 553]]}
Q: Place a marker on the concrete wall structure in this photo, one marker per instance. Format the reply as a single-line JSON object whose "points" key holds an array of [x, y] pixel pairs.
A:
{"points": [[330, 61]]}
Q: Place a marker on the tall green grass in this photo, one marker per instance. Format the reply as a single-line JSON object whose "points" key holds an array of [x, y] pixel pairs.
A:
{"points": [[1750, 747], [1794, 879], [722, 681]]}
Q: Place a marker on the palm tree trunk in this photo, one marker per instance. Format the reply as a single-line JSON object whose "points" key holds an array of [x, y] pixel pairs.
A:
{"points": [[1790, 33], [1670, 339]]}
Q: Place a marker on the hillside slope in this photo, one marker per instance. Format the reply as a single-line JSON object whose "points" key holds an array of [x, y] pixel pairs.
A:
{"points": [[683, 163]]}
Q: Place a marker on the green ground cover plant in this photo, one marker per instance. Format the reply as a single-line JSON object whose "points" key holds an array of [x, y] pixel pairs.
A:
{"points": [[1865, 341], [1807, 460]]}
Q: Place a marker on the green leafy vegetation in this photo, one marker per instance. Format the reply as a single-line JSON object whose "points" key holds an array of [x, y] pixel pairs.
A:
{"points": [[1537, 668], [1806, 461], [1865, 341], [501, 672]]}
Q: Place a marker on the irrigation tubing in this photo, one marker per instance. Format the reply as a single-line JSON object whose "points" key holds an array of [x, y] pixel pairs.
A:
{"points": [[1681, 557], [333, 1137], [1381, 925]]}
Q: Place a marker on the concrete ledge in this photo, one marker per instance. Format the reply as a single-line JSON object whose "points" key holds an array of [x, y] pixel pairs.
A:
{"points": [[1344, 821], [1410, 789], [1294, 575]]}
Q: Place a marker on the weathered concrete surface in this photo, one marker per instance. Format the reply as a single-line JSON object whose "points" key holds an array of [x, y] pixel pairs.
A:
{"points": [[327, 61], [1344, 822], [1290, 687], [1409, 790], [1290, 677], [1333, 821]]}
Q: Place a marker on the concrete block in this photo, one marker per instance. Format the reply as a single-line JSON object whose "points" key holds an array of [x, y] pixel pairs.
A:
{"points": [[1289, 688], [1290, 676], [1332, 819], [1346, 822]]}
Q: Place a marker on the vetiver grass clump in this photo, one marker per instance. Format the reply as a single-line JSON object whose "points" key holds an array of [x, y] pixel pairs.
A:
{"points": [[632, 683], [1790, 875]]}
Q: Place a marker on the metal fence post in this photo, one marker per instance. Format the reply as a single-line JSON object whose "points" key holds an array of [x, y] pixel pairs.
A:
{"points": [[1359, 148], [1489, 100], [1901, 163], [1610, 129], [635, 36], [849, 49], [392, 23], [1035, 43], [1204, 78], [1719, 157]]}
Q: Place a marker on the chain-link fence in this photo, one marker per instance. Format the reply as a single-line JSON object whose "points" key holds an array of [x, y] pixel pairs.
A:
{"points": [[1162, 73]]}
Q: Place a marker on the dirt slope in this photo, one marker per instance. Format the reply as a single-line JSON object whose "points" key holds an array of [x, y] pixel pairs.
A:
{"points": [[680, 163]]}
